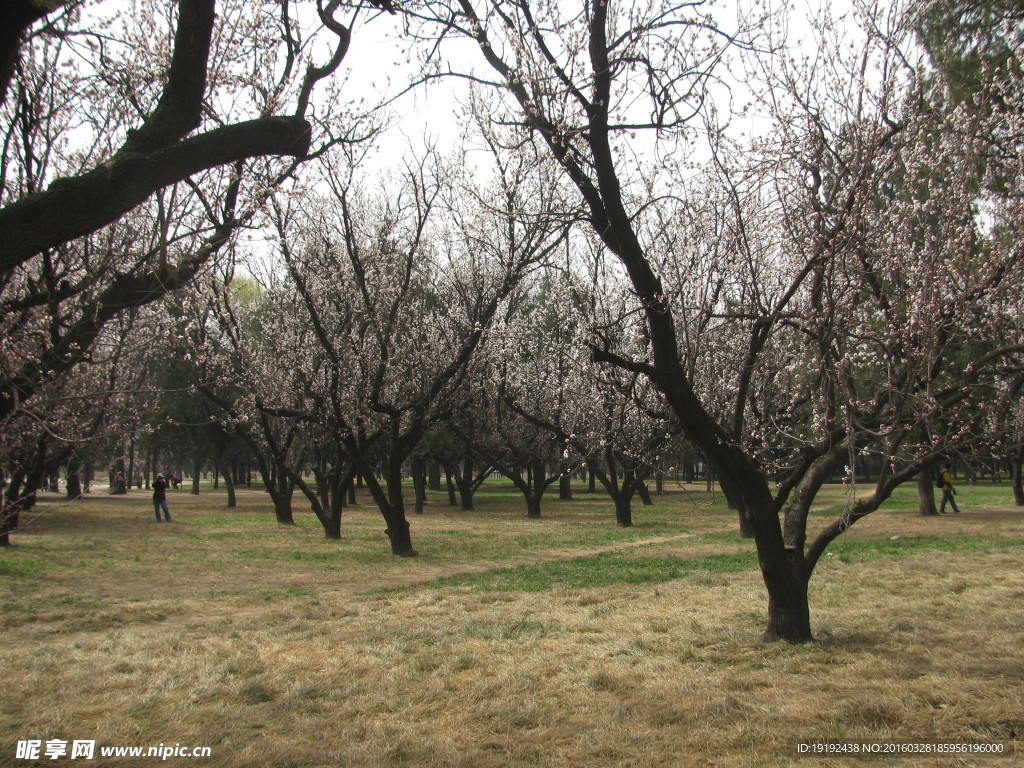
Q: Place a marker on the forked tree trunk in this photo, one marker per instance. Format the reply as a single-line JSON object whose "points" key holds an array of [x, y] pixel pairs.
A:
{"points": [[390, 500], [464, 483], [522, 483], [283, 510], [789, 615], [465, 486], [732, 493], [332, 527], [398, 529], [280, 488]]}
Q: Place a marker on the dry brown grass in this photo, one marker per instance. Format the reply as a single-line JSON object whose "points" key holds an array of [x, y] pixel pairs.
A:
{"points": [[285, 661]]}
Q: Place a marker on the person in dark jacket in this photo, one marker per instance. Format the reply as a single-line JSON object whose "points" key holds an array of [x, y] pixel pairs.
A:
{"points": [[160, 498]]}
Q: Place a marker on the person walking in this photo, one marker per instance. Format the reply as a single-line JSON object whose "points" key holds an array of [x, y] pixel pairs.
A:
{"points": [[160, 498], [948, 491]]}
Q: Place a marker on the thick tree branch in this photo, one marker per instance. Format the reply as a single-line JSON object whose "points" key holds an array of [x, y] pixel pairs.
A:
{"points": [[180, 107], [125, 292], [16, 16], [75, 207]]}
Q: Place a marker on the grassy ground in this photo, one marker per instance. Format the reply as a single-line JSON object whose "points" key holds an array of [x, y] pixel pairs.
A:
{"points": [[563, 641]]}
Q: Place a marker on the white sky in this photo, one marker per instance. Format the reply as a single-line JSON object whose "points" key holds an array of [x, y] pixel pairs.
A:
{"points": [[377, 64]]}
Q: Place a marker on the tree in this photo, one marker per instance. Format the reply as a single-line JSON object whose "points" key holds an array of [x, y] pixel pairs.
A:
{"points": [[135, 145], [86, 412], [969, 40], [386, 299], [554, 408], [574, 81]]}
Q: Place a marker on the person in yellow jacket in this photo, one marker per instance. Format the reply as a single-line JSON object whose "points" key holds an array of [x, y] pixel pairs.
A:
{"points": [[948, 491]]}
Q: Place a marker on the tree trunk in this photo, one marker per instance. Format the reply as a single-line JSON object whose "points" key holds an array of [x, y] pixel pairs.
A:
{"points": [[452, 500], [9, 514], [197, 468], [789, 615], [283, 510], [332, 527], [623, 510], [119, 485], [149, 466], [926, 493], [401, 538], [732, 494], [434, 476], [1017, 464], [591, 481], [229, 485], [532, 505], [392, 506], [465, 483], [465, 486], [419, 483], [644, 492], [565, 486], [74, 481], [331, 519], [15, 498], [130, 476], [529, 491]]}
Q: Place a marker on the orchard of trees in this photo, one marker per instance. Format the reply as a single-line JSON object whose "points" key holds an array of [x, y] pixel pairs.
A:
{"points": [[659, 234]]}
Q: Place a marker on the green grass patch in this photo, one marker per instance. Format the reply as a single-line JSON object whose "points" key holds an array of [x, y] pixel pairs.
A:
{"points": [[981, 495], [600, 570], [17, 608], [285, 593], [608, 569], [17, 564], [860, 550]]}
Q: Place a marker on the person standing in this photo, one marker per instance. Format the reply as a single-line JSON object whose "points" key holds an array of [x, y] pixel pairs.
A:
{"points": [[160, 498], [948, 491]]}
